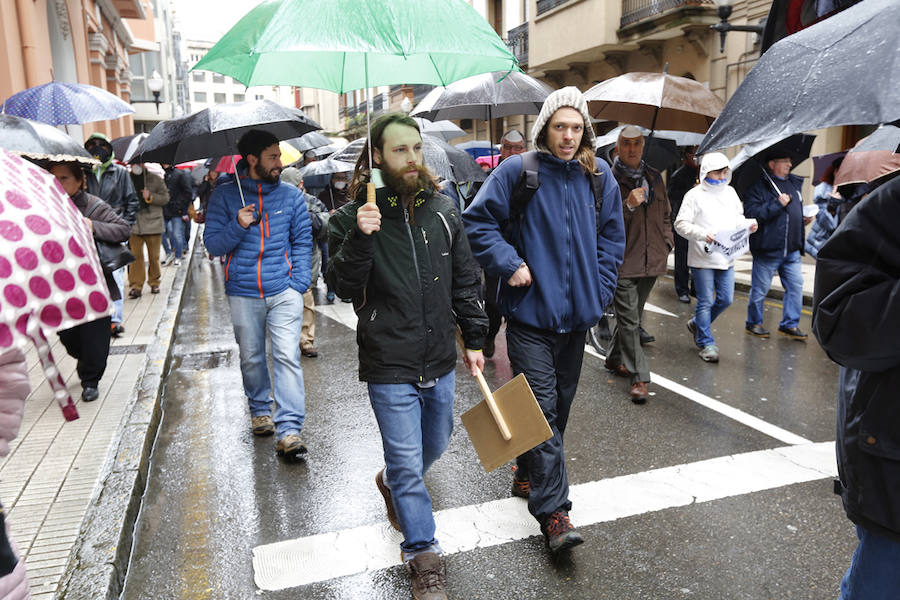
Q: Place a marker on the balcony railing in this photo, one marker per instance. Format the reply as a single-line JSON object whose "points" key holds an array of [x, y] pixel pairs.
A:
{"points": [[517, 42], [545, 5], [638, 10]]}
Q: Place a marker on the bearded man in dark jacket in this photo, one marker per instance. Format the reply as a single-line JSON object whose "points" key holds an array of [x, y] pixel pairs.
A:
{"points": [[405, 261], [856, 318]]}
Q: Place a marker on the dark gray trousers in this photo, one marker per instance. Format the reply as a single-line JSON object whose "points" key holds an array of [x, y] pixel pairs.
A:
{"points": [[551, 363]]}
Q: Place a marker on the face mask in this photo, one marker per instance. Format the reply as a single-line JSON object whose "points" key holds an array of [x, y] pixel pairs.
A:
{"points": [[137, 169], [339, 185], [712, 181], [101, 153]]}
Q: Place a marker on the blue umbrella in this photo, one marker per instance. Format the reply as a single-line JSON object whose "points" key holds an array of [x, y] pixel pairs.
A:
{"points": [[61, 103]]}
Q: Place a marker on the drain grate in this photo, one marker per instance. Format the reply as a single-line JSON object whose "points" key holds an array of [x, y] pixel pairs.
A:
{"points": [[202, 361], [128, 349]]}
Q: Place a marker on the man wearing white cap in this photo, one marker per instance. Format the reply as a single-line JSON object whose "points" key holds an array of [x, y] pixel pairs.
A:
{"points": [[648, 241], [556, 262]]}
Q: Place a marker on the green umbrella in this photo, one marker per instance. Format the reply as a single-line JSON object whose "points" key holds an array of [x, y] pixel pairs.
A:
{"points": [[343, 45]]}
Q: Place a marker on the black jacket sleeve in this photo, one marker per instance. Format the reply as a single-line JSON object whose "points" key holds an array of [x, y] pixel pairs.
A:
{"points": [[856, 306], [351, 253], [467, 303]]}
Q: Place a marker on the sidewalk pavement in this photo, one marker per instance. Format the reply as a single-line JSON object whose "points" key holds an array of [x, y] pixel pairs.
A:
{"points": [[743, 266], [72, 490]]}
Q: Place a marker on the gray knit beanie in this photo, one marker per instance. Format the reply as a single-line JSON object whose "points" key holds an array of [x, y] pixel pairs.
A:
{"points": [[292, 176], [567, 96]]}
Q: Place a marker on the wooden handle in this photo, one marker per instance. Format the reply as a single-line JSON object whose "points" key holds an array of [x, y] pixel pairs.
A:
{"points": [[370, 193], [488, 396]]}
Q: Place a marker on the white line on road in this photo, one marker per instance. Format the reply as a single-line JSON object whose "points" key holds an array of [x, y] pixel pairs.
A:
{"points": [[656, 309], [782, 435], [325, 556]]}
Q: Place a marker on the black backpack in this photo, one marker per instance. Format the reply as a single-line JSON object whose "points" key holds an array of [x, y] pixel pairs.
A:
{"points": [[525, 188]]}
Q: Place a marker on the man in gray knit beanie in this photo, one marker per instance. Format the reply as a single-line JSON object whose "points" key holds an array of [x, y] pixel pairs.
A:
{"points": [[557, 267]]}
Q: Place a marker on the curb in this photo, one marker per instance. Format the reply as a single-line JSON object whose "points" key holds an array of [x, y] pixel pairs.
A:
{"points": [[99, 560]]}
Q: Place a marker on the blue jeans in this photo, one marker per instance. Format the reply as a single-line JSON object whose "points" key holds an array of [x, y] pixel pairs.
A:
{"points": [[873, 572], [280, 315], [788, 268], [173, 238], [715, 292], [415, 425]]}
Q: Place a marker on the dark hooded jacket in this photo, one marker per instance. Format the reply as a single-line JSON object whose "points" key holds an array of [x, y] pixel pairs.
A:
{"points": [[411, 283], [781, 229], [115, 188], [856, 318]]}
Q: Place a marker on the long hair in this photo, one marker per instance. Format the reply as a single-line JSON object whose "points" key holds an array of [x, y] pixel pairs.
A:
{"points": [[584, 154], [362, 171]]}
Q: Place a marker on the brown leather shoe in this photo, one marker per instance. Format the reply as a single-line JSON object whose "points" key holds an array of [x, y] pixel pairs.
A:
{"points": [[134, 293], [618, 369], [154, 289], [638, 392], [309, 351], [388, 501]]}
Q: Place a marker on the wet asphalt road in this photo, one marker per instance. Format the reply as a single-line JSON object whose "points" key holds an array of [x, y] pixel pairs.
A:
{"points": [[215, 492]]}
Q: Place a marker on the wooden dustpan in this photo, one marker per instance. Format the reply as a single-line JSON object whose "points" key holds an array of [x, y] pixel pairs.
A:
{"points": [[506, 423]]}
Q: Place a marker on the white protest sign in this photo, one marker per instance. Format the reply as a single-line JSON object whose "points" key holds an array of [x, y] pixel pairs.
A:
{"points": [[732, 243]]}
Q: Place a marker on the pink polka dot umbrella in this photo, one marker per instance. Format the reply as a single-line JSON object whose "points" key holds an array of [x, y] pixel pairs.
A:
{"points": [[50, 276]]}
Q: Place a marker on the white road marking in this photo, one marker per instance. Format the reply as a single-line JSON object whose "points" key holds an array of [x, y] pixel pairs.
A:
{"points": [[656, 309], [738, 415], [325, 556]]}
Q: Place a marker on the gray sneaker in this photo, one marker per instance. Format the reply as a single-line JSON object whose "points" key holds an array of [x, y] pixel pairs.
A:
{"points": [[429, 581], [710, 353]]}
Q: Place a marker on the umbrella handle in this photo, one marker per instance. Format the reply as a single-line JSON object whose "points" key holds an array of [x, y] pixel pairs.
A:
{"points": [[492, 406], [488, 396]]}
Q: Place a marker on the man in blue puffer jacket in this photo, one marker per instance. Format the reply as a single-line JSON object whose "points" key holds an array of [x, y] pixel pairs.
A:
{"points": [[554, 283], [266, 237]]}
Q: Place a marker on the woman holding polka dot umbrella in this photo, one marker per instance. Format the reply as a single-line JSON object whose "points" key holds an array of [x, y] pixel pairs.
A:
{"points": [[50, 276]]}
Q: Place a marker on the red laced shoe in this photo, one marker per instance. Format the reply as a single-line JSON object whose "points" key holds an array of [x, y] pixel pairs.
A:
{"points": [[559, 532], [520, 487]]}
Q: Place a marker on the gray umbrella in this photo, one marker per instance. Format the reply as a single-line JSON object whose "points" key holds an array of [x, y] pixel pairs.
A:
{"points": [[843, 70], [326, 167], [309, 141], [40, 141], [441, 158], [484, 97], [216, 130]]}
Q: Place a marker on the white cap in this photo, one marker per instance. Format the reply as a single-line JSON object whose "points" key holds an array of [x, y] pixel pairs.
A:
{"points": [[513, 136]]}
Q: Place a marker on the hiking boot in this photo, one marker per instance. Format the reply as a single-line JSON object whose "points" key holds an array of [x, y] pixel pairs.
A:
{"points": [[429, 581], [757, 330], [134, 293], [793, 332], [645, 338], [692, 327], [154, 289], [309, 351], [89, 394], [388, 501], [560, 534], [290, 447], [710, 353], [262, 425], [638, 392], [116, 330], [521, 488]]}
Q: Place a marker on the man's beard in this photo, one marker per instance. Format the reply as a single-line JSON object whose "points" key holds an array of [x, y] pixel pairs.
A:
{"points": [[268, 175], [406, 187]]}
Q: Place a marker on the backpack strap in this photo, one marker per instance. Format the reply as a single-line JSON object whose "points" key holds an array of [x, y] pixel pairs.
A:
{"points": [[523, 191], [596, 182]]}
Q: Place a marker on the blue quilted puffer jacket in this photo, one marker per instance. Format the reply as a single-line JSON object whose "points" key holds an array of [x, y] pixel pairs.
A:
{"points": [[266, 258]]}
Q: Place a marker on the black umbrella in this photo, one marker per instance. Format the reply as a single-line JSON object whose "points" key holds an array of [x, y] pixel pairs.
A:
{"points": [[41, 141], [443, 159], [785, 17], [484, 97], [216, 130], [748, 166], [841, 71]]}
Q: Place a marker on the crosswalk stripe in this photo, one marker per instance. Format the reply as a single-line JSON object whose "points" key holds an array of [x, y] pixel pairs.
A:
{"points": [[325, 556]]}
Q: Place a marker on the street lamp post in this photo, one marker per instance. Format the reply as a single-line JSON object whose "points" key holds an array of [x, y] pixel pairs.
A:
{"points": [[723, 27], [156, 83]]}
